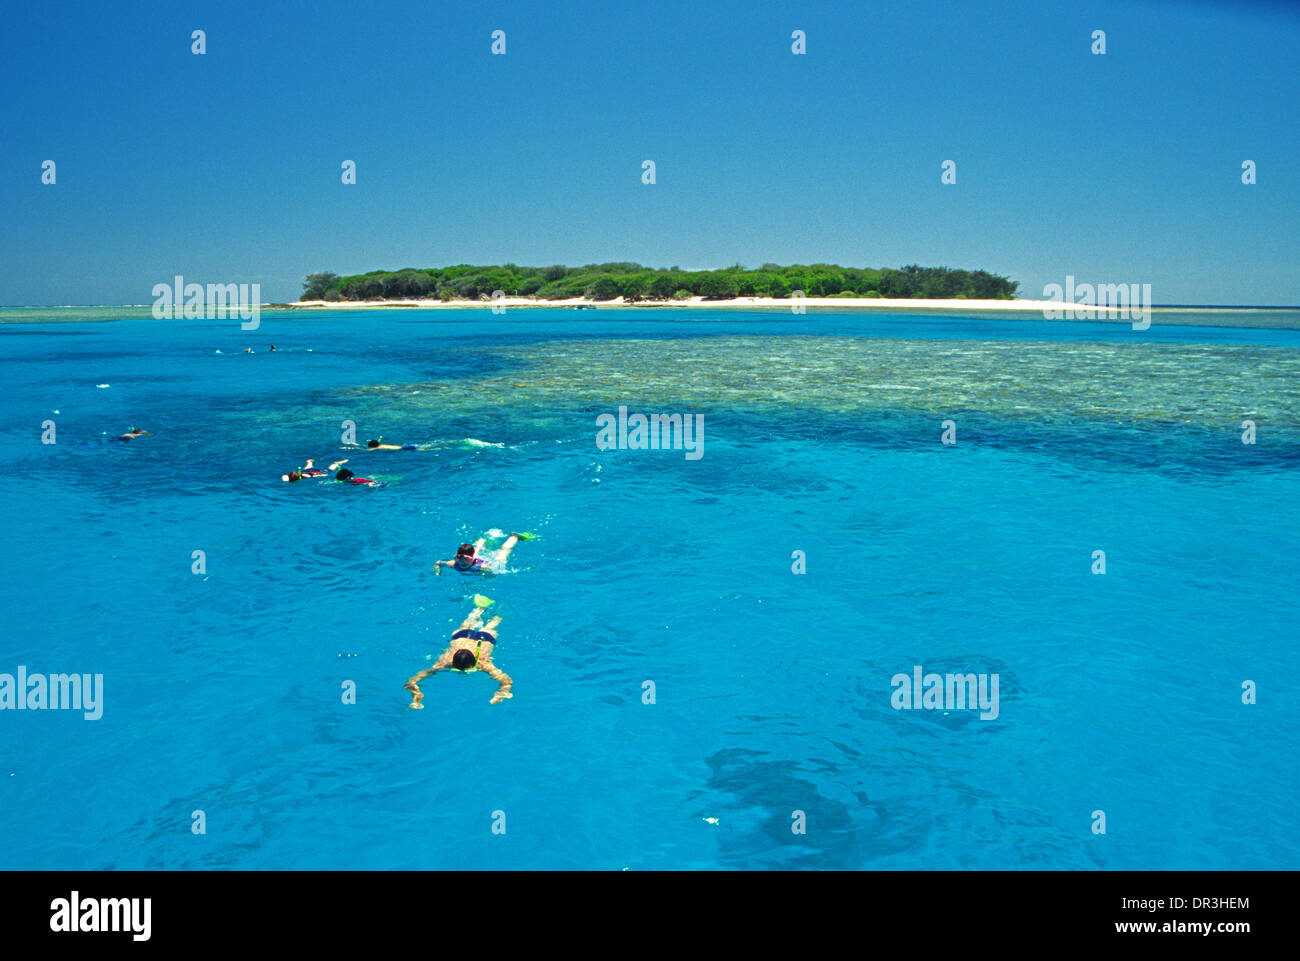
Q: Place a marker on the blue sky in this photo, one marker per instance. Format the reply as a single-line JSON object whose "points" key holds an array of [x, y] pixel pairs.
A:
{"points": [[226, 167]]}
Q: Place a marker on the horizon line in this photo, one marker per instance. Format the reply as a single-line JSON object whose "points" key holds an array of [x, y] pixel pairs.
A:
{"points": [[1011, 300]]}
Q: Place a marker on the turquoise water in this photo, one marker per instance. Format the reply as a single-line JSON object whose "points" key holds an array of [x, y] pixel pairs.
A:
{"points": [[222, 692]]}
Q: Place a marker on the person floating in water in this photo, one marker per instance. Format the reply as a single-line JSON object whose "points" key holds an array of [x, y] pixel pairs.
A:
{"points": [[347, 477], [308, 469], [132, 434], [273, 348], [470, 650], [379, 445], [469, 560]]}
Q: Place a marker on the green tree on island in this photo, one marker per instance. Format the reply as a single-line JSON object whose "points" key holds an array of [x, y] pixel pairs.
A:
{"points": [[316, 285]]}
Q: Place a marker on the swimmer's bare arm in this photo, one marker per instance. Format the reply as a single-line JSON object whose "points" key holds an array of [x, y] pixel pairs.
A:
{"points": [[501, 677], [413, 684]]}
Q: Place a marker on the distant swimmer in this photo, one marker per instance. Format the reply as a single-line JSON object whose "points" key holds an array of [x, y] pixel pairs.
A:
{"points": [[132, 434], [470, 560], [380, 445], [307, 470], [273, 348], [470, 650], [347, 477], [248, 350]]}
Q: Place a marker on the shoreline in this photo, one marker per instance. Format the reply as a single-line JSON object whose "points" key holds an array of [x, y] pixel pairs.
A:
{"points": [[1251, 317], [784, 303], [1017, 304]]}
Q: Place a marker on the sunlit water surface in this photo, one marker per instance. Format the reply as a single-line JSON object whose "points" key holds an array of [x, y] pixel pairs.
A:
{"points": [[1119, 692]]}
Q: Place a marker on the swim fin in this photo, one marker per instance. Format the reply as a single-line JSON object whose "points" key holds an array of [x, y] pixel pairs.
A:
{"points": [[524, 535], [481, 601]]}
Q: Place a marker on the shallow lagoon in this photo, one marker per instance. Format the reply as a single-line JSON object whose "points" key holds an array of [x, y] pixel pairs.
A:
{"points": [[1118, 692]]}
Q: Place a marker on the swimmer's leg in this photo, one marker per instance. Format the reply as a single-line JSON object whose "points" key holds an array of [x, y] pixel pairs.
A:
{"points": [[491, 626], [471, 623], [503, 553]]}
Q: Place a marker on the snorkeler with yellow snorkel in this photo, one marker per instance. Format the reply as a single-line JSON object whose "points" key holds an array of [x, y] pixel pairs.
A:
{"points": [[470, 650]]}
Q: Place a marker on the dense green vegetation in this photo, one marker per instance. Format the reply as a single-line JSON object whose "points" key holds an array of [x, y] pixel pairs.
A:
{"points": [[634, 282]]}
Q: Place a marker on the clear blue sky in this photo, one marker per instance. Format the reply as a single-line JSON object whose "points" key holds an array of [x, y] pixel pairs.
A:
{"points": [[226, 167]]}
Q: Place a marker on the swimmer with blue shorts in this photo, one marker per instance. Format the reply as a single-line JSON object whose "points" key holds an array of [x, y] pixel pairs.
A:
{"points": [[470, 650]]}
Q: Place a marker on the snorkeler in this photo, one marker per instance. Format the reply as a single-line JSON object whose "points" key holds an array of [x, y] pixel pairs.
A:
{"points": [[468, 560], [132, 434], [380, 445], [340, 472], [347, 477], [470, 650], [308, 469]]}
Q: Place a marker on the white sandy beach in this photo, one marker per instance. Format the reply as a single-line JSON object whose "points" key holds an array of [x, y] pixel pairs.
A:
{"points": [[786, 303]]}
